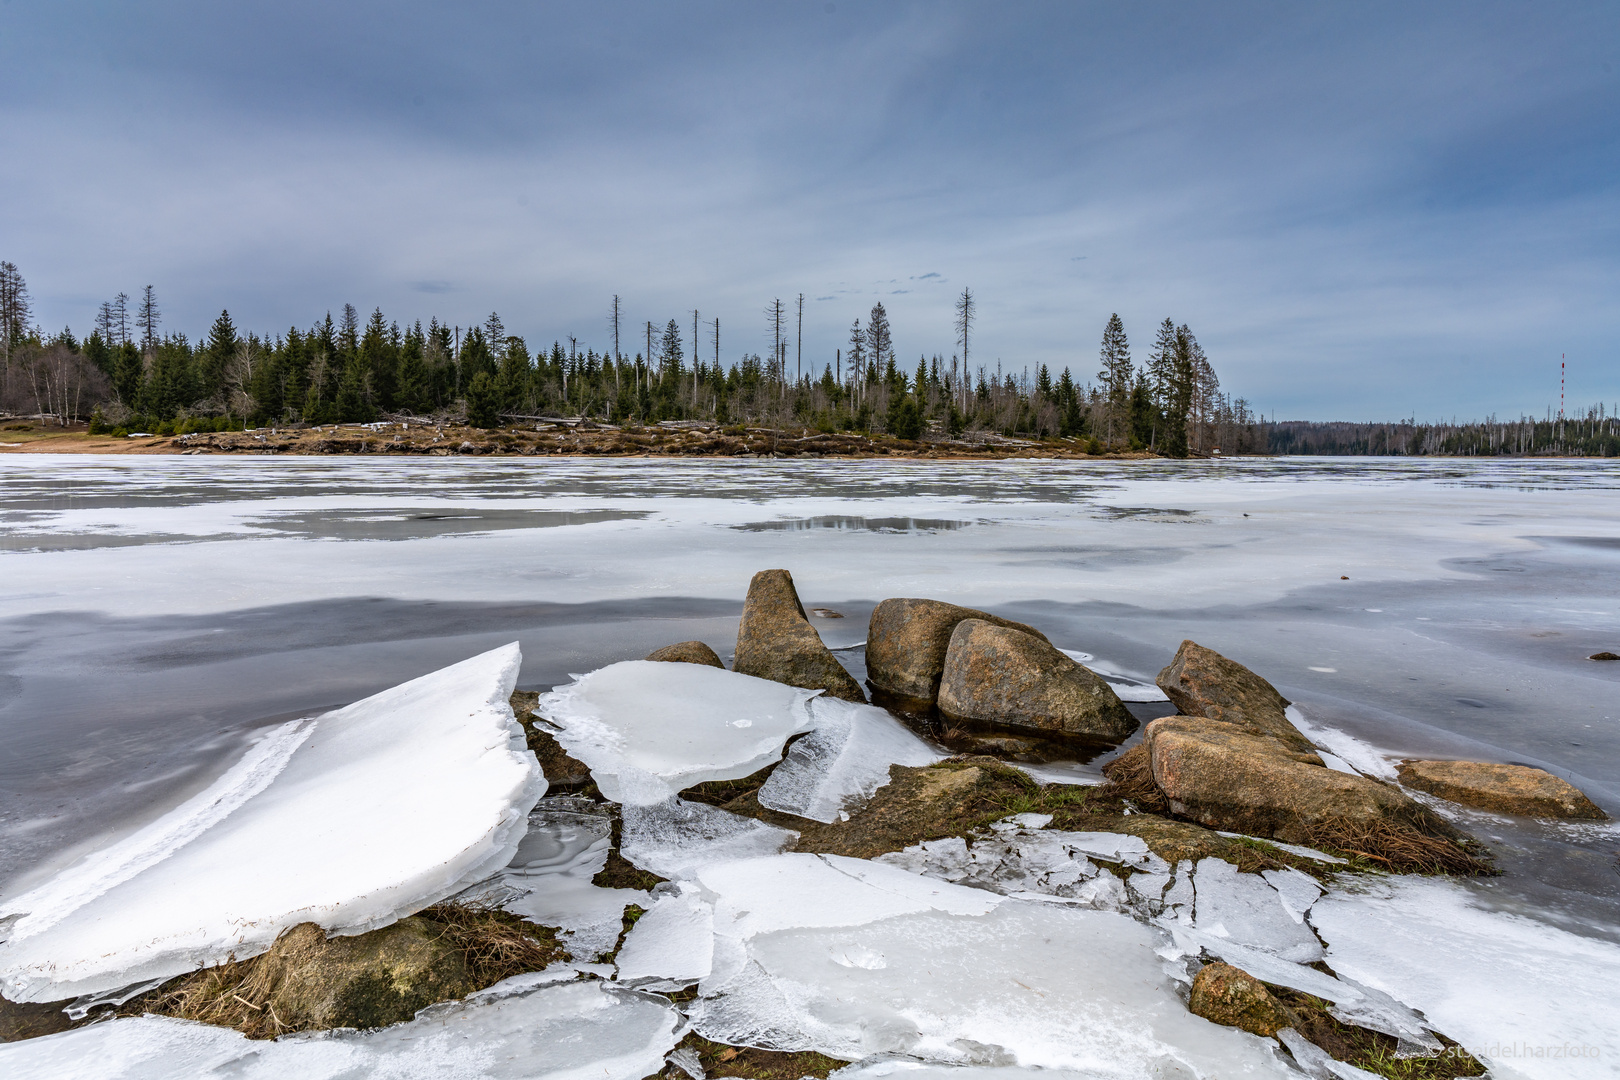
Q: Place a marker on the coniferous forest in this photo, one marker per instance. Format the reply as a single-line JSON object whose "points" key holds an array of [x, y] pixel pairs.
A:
{"points": [[131, 373]]}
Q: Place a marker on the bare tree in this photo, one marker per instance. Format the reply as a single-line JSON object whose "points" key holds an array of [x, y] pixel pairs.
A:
{"points": [[800, 361], [614, 318], [239, 377], [15, 309], [966, 311], [775, 317], [121, 314]]}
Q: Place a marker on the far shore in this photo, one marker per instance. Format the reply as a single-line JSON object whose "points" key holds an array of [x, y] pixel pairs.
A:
{"points": [[583, 438]]}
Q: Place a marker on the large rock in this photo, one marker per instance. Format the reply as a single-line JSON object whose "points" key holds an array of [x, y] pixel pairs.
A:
{"points": [[776, 641], [1202, 682], [687, 652], [1004, 678], [1224, 776], [906, 642], [1231, 996], [1506, 789]]}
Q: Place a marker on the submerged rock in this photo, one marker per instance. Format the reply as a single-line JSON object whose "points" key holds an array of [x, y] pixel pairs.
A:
{"points": [[687, 652], [1005, 678], [1228, 995], [906, 642], [776, 641], [1202, 682], [1506, 789]]}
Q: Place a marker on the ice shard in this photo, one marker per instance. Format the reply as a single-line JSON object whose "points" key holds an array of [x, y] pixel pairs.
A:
{"points": [[647, 729], [348, 820], [844, 759]]}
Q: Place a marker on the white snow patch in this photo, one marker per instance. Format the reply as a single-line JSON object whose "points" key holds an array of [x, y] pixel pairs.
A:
{"points": [[346, 820], [844, 759], [647, 729], [577, 1031], [1518, 994]]}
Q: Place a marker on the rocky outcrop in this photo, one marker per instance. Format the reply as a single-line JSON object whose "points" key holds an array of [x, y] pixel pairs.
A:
{"points": [[1202, 682], [1231, 996], [906, 641], [1000, 677], [309, 982], [776, 641], [687, 652], [1505, 789]]}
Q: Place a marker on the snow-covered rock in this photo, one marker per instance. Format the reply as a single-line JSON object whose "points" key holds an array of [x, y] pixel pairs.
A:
{"points": [[347, 820]]}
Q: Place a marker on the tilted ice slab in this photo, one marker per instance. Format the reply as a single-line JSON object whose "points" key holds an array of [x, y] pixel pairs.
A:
{"points": [[576, 1031], [648, 729], [348, 820], [856, 959], [844, 759], [1526, 998]]}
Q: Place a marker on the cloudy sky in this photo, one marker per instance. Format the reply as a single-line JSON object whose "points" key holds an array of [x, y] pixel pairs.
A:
{"points": [[1364, 211]]}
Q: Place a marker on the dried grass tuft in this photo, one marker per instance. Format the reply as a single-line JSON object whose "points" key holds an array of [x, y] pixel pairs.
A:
{"points": [[1397, 849], [1130, 776]]}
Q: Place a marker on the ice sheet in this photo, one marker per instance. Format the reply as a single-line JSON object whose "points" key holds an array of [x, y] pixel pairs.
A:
{"points": [[648, 730], [1246, 908], [672, 945], [1024, 984], [1525, 997], [576, 1031], [1346, 749], [842, 761], [676, 837], [346, 820]]}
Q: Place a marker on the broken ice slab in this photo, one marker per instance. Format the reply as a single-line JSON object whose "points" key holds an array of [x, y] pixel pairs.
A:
{"points": [[1298, 891], [648, 729], [1020, 858], [348, 820], [548, 880], [1500, 983], [675, 838], [1293, 849], [672, 945], [1247, 909], [1026, 984], [566, 1032], [844, 759]]}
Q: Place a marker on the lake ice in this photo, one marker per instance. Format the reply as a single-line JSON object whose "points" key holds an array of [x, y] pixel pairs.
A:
{"points": [[163, 619]]}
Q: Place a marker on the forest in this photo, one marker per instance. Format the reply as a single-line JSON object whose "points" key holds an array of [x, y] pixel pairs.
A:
{"points": [[129, 374]]}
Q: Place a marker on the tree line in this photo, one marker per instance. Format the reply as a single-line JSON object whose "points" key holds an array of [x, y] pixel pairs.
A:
{"points": [[130, 374], [1594, 432]]}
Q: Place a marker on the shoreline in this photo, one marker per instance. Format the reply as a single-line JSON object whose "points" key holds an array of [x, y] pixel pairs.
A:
{"points": [[427, 439]]}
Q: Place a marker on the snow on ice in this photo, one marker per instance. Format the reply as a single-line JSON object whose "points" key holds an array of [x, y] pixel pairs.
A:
{"points": [[346, 820]]}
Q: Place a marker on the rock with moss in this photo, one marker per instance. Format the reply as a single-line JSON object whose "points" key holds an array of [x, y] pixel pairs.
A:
{"points": [[1202, 682], [687, 652], [561, 769], [1226, 777], [1505, 789], [906, 642], [776, 641], [1231, 996], [1003, 678], [309, 982]]}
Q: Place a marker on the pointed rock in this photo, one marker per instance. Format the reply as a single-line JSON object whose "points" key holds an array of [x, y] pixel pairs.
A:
{"points": [[1202, 682], [1005, 678], [906, 642], [776, 641]]}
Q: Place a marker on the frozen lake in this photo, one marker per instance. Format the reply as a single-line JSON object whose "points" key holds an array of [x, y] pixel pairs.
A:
{"points": [[155, 612]]}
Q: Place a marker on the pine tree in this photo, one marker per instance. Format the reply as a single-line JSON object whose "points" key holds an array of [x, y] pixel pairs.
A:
{"points": [[1161, 364], [16, 310], [879, 341], [495, 336], [1116, 375], [856, 358], [216, 353], [670, 355], [147, 319]]}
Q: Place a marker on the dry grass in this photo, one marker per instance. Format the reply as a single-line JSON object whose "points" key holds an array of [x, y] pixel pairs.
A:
{"points": [[495, 944], [1130, 776], [1397, 849], [1371, 1050]]}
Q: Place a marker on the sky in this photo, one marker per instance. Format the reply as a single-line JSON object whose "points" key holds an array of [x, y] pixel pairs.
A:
{"points": [[1363, 211]]}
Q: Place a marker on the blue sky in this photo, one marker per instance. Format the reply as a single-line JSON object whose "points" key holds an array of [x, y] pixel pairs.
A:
{"points": [[1363, 211]]}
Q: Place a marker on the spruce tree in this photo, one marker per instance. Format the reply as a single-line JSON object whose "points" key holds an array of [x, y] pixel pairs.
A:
{"points": [[879, 341], [215, 354], [1116, 375]]}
